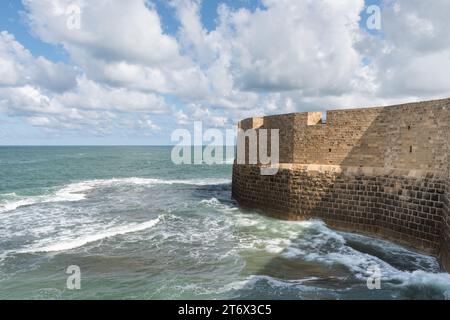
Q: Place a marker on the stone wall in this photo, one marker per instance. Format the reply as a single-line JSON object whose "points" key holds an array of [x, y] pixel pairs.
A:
{"points": [[382, 171], [445, 244]]}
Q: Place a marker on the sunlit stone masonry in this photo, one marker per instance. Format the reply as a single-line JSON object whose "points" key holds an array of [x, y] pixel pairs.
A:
{"points": [[380, 171]]}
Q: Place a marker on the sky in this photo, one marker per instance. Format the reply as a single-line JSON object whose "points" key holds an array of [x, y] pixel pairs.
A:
{"points": [[113, 72]]}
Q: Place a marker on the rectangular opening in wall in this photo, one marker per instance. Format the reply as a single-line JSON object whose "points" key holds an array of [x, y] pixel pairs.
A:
{"points": [[410, 149], [324, 117]]}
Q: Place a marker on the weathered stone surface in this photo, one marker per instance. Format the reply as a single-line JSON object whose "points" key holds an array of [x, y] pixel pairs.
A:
{"points": [[381, 171]]}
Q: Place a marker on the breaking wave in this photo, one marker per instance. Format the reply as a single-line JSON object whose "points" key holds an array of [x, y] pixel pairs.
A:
{"points": [[205, 233], [78, 191], [62, 244]]}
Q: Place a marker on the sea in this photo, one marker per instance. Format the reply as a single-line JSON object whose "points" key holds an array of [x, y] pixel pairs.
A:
{"points": [[127, 223]]}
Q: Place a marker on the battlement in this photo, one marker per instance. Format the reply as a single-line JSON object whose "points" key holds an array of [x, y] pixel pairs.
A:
{"points": [[408, 136], [384, 170]]}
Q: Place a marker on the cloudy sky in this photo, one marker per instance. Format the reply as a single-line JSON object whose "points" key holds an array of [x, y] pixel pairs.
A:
{"points": [[130, 72]]}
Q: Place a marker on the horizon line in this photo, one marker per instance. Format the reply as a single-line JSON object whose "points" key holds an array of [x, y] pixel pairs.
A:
{"points": [[102, 145]]}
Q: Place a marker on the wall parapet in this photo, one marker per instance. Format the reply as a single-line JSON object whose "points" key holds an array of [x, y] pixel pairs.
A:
{"points": [[382, 171]]}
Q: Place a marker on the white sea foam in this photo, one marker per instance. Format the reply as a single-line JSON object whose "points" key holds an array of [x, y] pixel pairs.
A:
{"points": [[276, 245], [329, 247], [217, 204], [71, 192], [213, 202], [250, 282], [420, 278], [65, 244], [245, 221], [78, 191], [91, 184], [314, 241], [13, 205]]}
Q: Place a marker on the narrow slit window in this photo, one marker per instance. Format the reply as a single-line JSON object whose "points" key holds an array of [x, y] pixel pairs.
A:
{"points": [[410, 149]]}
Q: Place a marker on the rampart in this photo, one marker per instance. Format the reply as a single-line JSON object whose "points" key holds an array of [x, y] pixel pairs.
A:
{"points": [[380, 171]]}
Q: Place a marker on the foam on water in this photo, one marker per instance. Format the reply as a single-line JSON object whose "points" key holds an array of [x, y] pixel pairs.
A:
{"points": [[314, 241], [71, 192], [78, 191], [64, 244], [320, 244], [211, 247], [213, 202]]}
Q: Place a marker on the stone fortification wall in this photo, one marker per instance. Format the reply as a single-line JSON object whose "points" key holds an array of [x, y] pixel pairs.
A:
{"points": [[382, 171]]}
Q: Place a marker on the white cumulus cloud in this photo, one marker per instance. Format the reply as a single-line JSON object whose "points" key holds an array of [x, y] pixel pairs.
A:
{"points": [[283, 56]]}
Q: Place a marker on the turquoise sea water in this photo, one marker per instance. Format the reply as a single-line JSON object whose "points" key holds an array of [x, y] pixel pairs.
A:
{"points": [[140, 227]]}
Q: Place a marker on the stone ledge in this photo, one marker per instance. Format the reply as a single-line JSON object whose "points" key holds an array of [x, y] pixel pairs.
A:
{"points": [[353, 170]]}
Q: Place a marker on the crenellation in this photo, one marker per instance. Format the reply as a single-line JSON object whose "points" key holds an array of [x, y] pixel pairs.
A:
{"points": [[382, 171]]}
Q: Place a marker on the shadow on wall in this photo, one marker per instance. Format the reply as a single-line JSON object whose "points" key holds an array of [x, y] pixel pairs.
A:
{"points": [[375, 171]]}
